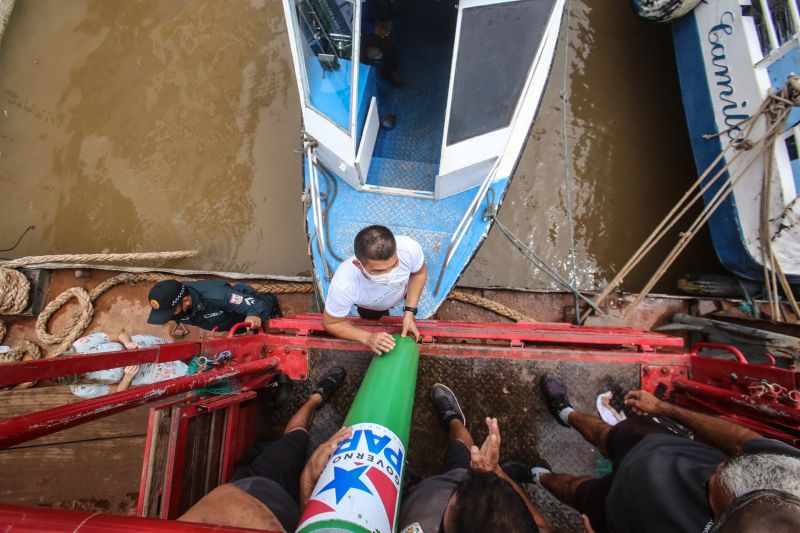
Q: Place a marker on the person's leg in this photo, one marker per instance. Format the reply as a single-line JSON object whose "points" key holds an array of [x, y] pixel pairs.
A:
{"points": [[587, 495], [451, 415], [283, 461], [301, 419], [457, 453], [563, 486], [388, 47], [591, 428]]}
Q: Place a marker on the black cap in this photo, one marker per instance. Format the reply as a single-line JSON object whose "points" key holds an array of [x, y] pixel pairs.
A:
{"points": [[164, 296]]}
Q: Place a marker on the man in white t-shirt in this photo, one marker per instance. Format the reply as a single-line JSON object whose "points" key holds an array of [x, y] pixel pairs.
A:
{"points": [[383, 271]]}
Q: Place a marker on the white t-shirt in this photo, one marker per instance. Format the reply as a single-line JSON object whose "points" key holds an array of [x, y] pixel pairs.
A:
{"points": [[350, 287]]}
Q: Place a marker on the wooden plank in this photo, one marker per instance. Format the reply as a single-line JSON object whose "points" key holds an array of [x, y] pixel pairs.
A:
{"points": [[154, 488], [95, 470], [17, 402]]}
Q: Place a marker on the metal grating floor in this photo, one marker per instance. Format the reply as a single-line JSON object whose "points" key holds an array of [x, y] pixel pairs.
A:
{"points": [[505, 388], [402, 174], [424, 31]]}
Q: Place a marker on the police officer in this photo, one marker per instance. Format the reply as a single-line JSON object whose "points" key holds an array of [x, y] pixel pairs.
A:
{"points": [[210, 304]]}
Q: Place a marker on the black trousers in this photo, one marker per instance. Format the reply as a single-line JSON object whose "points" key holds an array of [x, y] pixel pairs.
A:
{"points": [[387, 45], [371, 314], [590, 496]]}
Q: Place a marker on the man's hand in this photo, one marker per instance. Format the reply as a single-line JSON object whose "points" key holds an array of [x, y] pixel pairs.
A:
{"points": [[380, 343], [317, 462], [130, 345], [130, 372], [643, 402], [254, 321], [381, 30], [487, 458], [410, 326]]}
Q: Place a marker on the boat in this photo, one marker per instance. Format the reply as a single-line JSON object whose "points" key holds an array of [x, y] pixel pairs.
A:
{"points": [[730, 54], [428, 158]]}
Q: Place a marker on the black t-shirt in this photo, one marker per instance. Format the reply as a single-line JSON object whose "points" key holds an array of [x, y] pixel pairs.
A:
{"points": [[216, 304], [659, 486]]}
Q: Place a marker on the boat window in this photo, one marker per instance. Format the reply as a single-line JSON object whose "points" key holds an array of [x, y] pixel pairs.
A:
{"points": [[495, 51], [794, 159], [774, 22], [324, 33]]}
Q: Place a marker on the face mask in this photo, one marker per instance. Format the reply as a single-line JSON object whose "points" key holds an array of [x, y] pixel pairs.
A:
{"points": [[385, 279]]}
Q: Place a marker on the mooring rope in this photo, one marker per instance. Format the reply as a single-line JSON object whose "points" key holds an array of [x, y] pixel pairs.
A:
{"points": [[15, 288], [491, 305], [98, 258], [740, 144], [530, 255]]}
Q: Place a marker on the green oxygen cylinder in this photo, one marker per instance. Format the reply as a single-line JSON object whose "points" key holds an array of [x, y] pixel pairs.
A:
{"points": [[359, 490]]}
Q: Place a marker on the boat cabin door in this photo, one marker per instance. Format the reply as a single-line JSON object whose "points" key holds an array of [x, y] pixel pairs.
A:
{"points": [[324, 36], [498, 44]]}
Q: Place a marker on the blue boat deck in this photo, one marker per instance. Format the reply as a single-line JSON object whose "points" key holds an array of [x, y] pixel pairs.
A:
{"points": [[429, 222], [407, 157]]}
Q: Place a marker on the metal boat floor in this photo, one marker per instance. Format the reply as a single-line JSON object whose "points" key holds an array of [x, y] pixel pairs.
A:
{"points": [[402, 174], [431, 222], [424, 31], [505, 388]]}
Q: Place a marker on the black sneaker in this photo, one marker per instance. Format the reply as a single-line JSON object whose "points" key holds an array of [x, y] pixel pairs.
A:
{"points": [[521, 472], [555, 395], [329, 383], [283, 390], [447, 404]]}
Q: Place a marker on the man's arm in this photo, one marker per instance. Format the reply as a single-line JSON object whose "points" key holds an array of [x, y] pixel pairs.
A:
{"points": [[127, 378], [317, 462], [487, 458], [127, 341], [379, 342], [727, 436], [416, 283]]}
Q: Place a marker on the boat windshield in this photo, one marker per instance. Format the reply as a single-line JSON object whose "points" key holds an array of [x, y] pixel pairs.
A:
{"points": [[324, 34]]}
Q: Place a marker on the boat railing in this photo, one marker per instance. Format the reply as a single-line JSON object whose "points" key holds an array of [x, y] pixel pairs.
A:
{"points": [[466, 222], [316, 208], [777, 24]]}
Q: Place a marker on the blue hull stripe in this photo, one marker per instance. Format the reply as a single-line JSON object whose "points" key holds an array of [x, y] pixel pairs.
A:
{"points": [[724, 225]]}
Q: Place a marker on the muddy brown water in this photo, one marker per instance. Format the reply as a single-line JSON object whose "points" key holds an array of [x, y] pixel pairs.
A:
{"points": [[162, 125]]}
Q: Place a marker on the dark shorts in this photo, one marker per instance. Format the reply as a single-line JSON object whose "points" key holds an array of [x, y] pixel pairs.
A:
{"points": [[590, 497], [371, 314], [282, 462], [456, 456]]}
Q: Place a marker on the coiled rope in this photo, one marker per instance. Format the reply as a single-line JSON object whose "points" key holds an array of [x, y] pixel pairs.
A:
{"points": [[13, 300], [15, 287]]}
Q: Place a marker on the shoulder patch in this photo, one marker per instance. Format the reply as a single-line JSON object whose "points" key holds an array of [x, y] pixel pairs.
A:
{"points": [[236, 299]]}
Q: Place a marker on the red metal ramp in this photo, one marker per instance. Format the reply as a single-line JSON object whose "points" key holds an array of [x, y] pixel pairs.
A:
{"points": [[515, 333]]}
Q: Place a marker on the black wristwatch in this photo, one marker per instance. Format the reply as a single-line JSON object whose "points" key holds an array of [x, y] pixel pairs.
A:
{"points": [[412, 309]]}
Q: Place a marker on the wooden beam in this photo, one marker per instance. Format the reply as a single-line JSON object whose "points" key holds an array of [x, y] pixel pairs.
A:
{"points": [[88, 470], [17, 402]]}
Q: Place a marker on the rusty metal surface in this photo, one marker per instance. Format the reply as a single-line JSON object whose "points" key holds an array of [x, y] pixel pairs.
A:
{"points": [[507, 389]]}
